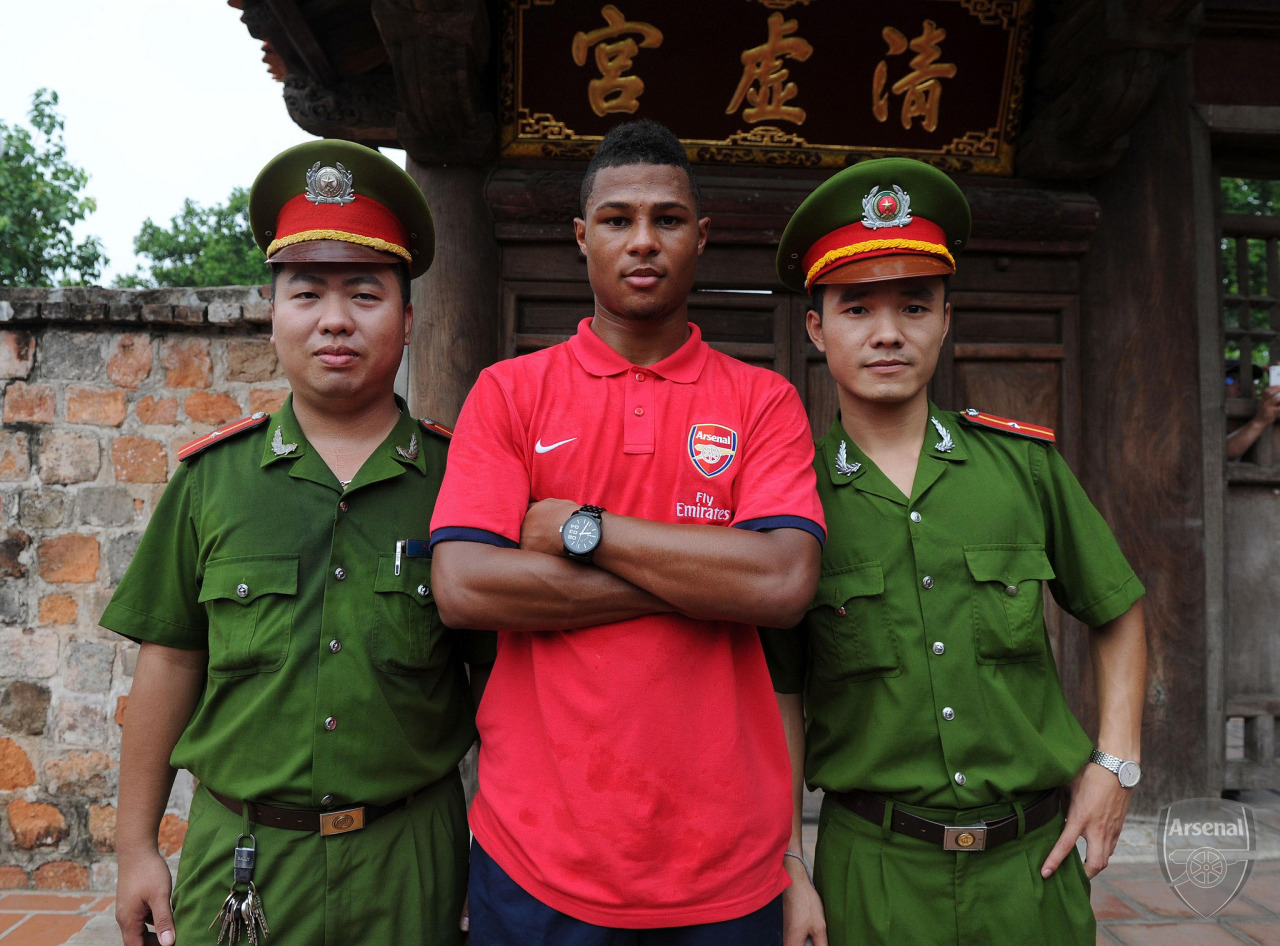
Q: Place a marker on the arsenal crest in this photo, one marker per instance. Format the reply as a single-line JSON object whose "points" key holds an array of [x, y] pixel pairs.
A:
{"points": [[1206, 848], [712, 448]]}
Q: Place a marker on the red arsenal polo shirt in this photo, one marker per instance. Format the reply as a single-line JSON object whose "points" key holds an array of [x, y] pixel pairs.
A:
{"points": [[633, 774]]}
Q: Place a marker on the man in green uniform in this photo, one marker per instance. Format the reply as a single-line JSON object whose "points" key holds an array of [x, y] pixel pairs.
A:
{"points": [[936, 723], [292, 658]]}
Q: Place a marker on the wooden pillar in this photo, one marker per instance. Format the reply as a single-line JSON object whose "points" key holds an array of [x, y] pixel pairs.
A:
{"points": [[1142, 460], [456, 304]]}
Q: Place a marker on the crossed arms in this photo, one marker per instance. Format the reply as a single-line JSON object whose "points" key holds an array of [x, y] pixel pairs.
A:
{"points": [[640, 567]]}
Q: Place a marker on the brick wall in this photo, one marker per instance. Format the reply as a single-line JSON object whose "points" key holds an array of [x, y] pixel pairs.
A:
{"points": [[99, 390]]}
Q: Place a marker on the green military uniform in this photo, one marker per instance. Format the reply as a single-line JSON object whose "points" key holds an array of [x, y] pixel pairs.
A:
{"points": [[331, 680], [928, 679]]}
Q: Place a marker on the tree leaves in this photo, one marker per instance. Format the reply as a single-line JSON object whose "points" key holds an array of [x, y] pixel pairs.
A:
{"points": [[41, 198]]}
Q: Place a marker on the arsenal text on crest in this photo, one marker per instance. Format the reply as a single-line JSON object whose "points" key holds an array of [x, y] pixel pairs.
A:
{"points": [[712, 448]]}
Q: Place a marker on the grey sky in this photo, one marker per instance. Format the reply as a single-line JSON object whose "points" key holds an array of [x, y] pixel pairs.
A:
{"points": [[163, 100]]}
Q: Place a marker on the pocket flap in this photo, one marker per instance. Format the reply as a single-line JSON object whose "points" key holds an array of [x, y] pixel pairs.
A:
{"points": [[1008, 564], [414, 579], [851, 581], [245, 579]]}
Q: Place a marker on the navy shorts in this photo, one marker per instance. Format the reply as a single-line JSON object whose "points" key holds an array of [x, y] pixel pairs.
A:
{"points": [[503, 914]]}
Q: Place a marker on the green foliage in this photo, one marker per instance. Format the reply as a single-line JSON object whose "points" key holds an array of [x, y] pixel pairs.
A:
{"points": [[202, 246], [40, 200], [1245, 281]]}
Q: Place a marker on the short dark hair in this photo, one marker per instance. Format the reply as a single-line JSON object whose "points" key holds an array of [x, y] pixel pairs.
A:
{"points": [[402, 277], [638, 142], [816, 294]]}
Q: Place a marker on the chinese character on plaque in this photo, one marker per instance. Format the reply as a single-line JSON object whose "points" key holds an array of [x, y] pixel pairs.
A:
{"points": [[764, 82], [614, 91], [921, 87]]}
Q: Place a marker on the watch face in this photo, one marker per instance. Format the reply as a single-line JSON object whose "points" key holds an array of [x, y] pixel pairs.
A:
{"points": [[1130, 774], [581, 534]]}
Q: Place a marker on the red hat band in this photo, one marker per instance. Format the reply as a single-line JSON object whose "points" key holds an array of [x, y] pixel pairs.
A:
{"points": [[362, 220], [857, 241]]}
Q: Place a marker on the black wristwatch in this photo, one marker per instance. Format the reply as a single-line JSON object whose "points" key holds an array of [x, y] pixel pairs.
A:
{"points": [[581, 533]]}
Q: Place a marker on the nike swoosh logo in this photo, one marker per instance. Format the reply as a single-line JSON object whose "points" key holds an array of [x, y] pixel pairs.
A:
{"points": [[551, 446]]}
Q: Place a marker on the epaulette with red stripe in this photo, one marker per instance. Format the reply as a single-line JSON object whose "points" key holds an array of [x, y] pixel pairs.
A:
{"points": [[440, 430], [255, 419], [1019, 428]]}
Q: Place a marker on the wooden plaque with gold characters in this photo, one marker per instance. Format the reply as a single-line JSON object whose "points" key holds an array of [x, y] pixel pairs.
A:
{"points": [[782, 83]]}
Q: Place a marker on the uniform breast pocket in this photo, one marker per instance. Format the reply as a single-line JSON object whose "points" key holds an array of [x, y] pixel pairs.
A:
{"points": [[1008, 607], [849, 626], [250, 602], [406, 618]]}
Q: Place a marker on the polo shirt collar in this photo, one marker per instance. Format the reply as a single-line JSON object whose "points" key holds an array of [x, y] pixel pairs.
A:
{"points": [[682, 366], [284, 440]]}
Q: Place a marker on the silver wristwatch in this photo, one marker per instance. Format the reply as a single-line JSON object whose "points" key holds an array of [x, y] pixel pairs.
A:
{"points": [[1129, 773]]}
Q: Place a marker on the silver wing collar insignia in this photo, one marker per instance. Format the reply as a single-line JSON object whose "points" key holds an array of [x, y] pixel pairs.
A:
{"points": [[946, 444], [412, 452], [843, 466], [279, 447]]}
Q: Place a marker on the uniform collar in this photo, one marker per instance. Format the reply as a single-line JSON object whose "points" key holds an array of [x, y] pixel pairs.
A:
{"points": [[284, 440], [683, 366], [845, 462]]}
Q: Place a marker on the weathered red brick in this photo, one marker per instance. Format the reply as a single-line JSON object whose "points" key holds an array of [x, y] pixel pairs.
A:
{"points": [[12, 545], [15, 455], [69, 456], [158, 411], [173, 831], [212, 409], [35, 824], [187, 363], [139, 460], [58, 609], [102, 827], [15, 768], [267, 399], [104, 407], [81, 773], [61, 875], [17, 354], [13, 878], [130, 361], [121, 703], [251, 359], [33, 403], [69, 558]]}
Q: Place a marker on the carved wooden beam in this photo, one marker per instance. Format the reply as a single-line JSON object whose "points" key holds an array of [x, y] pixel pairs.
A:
{"points": [[304, 40], [440, 57], [1099, 64], [360, 109]]}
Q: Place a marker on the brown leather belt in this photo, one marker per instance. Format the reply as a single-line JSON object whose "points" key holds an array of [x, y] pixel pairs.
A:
{"points": [[968, 837], [340, 821]]}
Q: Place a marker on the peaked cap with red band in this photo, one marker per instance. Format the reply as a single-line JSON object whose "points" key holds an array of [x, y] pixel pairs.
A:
{"points": [[331, 201], [888, 218]]}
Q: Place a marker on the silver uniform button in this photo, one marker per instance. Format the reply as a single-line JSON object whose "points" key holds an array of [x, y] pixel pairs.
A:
{"points": [[960, 779], [928, 582], [340, 574], [948, 713], [327, 800], [335, 645], [1011, 590], [916, 517], [242, 590], [331, 723], [939, 648], [423, 591]]}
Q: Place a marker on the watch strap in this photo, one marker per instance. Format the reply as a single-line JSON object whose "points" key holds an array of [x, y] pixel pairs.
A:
{"points": [[1115, 765]]}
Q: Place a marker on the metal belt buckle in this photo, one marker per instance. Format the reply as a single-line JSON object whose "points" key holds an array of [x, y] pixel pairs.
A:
{"points": [[964, 837], [340, 822]]}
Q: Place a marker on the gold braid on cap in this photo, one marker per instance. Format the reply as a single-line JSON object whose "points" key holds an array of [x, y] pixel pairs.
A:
{"points": [[307, 236], [918, 246]]}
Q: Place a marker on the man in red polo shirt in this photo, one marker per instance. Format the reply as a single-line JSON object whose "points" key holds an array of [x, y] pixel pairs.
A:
{"points": [[633, 770]]}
